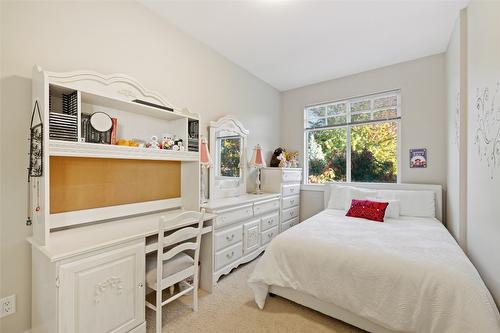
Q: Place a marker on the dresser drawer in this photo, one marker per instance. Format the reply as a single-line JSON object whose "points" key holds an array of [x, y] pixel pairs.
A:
{"points": [[228, 237], [268, 235], [291, 201], [266, 206], [291, 175], [228, 216], [227, 256], [291, 189], [269, 221], [288, 224], [289, 213]]}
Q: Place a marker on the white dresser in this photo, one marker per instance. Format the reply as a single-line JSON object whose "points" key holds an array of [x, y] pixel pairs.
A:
{"points": [[285, 181], [242, 229]]}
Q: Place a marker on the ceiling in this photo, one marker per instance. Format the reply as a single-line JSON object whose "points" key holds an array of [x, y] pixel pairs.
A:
{"points": [[290, 44]]}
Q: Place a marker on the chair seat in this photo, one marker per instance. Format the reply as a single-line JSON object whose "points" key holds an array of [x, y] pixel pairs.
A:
{"points": [[176, 264]]}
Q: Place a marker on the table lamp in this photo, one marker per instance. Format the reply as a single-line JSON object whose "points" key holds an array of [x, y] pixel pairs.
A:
{"points": [[259, 163], [205, 162]]}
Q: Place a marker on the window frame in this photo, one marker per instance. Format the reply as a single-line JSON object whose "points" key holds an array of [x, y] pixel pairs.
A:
{"points": [[349, 125]]}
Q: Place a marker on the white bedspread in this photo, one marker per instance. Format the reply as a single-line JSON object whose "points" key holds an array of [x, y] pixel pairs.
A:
{"points": [[406, 275]]}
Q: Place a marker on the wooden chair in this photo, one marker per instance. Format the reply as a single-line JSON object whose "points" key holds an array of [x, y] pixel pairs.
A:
{"points": [[171, 264]]}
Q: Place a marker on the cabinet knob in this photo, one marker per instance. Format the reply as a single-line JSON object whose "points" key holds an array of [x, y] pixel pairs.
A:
{"points": [[140, 285]]}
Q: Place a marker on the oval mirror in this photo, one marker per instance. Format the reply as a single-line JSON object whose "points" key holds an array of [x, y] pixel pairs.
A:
{"points": [[101, 122]]}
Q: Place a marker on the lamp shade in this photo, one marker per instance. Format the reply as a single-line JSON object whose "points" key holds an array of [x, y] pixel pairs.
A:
{"points": [[205, 159], [257, 160]]}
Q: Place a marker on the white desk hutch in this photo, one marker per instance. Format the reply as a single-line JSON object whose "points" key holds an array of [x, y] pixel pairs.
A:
{"points": [[93, 219]]}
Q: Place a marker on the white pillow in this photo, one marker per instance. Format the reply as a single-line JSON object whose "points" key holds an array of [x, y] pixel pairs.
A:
{"points": [[393, 208], [338, 197], [341, 196], [357, 193], [412, 203]]}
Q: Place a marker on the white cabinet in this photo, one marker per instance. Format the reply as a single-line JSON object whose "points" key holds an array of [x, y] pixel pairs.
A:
{"points": [[243, 227], [98, 292], [285, 181]]}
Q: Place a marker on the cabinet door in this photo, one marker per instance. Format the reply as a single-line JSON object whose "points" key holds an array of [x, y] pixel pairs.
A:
{"points": [[103, 293], [251, 236]]}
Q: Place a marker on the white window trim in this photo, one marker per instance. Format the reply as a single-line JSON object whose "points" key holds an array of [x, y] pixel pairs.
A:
{"points": [[348, 126]]}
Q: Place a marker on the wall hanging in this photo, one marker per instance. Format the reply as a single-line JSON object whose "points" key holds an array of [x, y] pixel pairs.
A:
{"points": [[35, 168]]}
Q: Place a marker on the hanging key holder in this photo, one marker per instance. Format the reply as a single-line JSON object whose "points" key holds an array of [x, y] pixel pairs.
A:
{"points": [[35, 169]]}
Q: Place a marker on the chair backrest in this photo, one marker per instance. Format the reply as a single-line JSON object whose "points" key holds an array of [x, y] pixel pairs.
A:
{"points": [[181, 237]]}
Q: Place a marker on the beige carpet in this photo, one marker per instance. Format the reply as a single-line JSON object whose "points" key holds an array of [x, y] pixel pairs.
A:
{"points": [[230, 308]]}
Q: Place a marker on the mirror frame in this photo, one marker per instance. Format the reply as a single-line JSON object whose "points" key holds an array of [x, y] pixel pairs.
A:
{"points": [[226, 187]]}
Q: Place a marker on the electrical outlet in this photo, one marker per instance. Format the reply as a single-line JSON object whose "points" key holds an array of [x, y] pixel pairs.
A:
{"points": [[7, 306]]}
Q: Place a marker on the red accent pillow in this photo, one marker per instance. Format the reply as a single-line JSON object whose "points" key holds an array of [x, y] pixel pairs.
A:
{"points": [[366, 209]]}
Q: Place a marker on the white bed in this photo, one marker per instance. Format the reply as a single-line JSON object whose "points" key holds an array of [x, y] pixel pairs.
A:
{"points": [[402, 275]]}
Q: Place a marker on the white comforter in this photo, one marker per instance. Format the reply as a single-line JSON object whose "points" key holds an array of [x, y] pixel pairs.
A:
{"points": [[405, 274]]}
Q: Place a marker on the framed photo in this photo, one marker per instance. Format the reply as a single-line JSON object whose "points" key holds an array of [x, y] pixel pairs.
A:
{"points": [[418, 158]]}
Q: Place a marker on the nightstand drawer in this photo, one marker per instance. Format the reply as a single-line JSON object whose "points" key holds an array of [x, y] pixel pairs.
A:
{"points": [[229, 237], [290, 213], [269, 221], [267, 236], [291, 175], [291, 189], [227, 256], [291, 201], [288, 224], [229, 216], [266, 206]]}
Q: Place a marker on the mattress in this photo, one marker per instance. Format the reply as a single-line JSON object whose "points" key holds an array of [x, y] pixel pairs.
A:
{"points": [[406, 274]]}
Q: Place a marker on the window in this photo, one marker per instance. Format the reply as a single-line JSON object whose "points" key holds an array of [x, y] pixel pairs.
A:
{"points": [[353, 140]]}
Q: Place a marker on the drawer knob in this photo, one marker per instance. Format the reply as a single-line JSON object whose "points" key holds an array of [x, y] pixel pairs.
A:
{"points": [[269, 222], [230, 255], [292, 201], [292, 190], [291, 213], [230, 238], [140, 285]]}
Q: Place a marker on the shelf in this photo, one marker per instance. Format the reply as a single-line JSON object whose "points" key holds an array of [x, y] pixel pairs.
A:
{"points": [[82, 149], [129, 106]]}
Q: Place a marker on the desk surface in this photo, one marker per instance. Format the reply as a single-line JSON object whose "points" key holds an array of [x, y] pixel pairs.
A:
{"points": [[70, 242]]}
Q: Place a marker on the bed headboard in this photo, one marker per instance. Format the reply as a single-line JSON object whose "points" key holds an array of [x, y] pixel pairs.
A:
{"points": [[437, 189]]}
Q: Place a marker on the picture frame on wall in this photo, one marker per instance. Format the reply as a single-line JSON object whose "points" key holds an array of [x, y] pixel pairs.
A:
{"points": [[418, 158]]}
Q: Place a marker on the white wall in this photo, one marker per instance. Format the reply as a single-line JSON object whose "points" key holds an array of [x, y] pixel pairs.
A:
{"points": [[483, 176], [456, 97], [423, 106], [108, 37]]}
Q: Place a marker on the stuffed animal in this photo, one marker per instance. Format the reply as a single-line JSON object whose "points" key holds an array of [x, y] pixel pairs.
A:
{"points": [[153, 143], [275, 162], [282, 159], [167, 142]]}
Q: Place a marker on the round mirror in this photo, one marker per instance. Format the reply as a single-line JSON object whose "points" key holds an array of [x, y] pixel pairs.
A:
{"points": [[101, 122]]}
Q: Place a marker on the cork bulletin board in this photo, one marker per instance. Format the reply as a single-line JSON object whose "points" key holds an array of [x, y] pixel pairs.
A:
{"points": [[78, 183]]}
